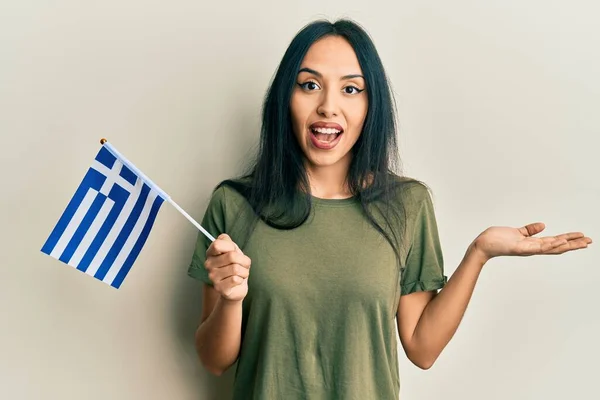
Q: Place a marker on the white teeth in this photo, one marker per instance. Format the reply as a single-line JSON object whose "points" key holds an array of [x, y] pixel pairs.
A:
{"points": [[328, 131]]}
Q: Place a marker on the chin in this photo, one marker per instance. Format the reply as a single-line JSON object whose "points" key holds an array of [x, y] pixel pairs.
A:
{"points": [[324, 160]]}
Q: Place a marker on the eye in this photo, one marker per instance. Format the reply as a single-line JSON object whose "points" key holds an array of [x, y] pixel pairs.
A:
{"points": [[309, 86], [352, 90]]}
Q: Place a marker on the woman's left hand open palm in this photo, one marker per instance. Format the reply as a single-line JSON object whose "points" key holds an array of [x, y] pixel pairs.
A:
{"points": [[507, 241]]}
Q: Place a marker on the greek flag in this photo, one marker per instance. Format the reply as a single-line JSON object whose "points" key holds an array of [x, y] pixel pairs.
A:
{"points": [[105, 225]]}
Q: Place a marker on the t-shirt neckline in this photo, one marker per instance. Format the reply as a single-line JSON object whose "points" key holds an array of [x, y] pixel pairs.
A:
{"points": [[333, 202]]}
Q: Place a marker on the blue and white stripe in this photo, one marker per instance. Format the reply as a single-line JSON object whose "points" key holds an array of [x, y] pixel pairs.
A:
{"points": [[108, 220]]}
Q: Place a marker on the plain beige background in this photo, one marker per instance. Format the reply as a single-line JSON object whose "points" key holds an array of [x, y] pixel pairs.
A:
{"points": [[498, 107]]}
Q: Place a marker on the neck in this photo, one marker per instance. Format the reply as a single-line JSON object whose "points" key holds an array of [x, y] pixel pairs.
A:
{"points": [[329, 182]]}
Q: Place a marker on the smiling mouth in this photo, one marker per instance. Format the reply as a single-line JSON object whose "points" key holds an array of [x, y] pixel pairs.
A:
{"points": [[326, 135], [324, 138]]}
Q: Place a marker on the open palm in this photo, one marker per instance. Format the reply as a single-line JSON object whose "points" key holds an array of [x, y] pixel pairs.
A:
{"points": [[507, 241]]}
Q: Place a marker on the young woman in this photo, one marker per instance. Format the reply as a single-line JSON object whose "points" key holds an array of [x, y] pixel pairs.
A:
{"points": [[343, 248]]}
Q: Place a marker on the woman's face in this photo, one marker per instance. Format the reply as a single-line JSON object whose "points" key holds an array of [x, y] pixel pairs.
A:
{"points": [[329, 102]]}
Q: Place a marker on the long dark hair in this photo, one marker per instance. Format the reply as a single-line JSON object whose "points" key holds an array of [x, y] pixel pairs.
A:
{"points": [[276, 184]]}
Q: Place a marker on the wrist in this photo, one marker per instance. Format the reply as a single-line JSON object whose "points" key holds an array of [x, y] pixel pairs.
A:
{"points": [[229, 303], [475, 253]]}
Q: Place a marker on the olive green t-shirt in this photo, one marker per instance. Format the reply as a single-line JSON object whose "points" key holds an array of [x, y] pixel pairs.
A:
{"points": [[319, 320]]}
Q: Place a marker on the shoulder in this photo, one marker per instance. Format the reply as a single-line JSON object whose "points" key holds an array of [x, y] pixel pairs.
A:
{"points": [[223, 200], [231, 196], [410, 191], [230, 191]]}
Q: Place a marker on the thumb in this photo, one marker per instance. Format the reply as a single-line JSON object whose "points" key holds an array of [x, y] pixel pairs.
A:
{"points": [[224, 236], [532, 229]]}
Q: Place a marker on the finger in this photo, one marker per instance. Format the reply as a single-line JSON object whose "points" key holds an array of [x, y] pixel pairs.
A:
{"points": [[570, 235], [225, 259], [223, 244], [556, 241], [567, 236], [580, 243], [224, 236], [552, 246], [558, 248], [235, 270], [532, 229], [553, 240], [225, 273]]}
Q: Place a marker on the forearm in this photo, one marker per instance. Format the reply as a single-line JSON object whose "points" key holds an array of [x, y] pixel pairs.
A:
{"points": [[218, 338], [441, 317]]}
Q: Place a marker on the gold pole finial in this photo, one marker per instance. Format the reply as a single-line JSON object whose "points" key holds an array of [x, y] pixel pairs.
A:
{"points": [[103, 140]]}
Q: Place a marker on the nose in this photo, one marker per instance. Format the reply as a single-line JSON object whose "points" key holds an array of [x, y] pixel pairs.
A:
{"points": [[328, 106]]}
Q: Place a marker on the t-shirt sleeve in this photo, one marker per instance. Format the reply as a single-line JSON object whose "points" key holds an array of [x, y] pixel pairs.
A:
{"points": [[214, 222], [424, 267]]}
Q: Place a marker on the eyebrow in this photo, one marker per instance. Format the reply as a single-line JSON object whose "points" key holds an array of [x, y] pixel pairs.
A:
{"points": [[317, 73]]}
